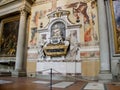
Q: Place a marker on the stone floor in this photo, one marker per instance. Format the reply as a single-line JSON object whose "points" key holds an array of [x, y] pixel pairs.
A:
{"points": [[23, 83]]}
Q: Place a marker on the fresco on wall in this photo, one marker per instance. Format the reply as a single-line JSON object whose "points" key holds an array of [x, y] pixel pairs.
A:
{"points": [[90, 54], [38, 15], [81, 12], [33, 40], [87, 11]]}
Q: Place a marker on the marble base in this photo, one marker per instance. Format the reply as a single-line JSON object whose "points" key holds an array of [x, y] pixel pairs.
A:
{"points": [[3, 74], [58, 77], [54, 77], [105, 77], [90, 77], [18, 74]]}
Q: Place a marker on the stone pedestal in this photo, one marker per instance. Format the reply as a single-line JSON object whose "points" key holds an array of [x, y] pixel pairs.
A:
{"points": [[31, 68], [90, 69], [105, 77]]}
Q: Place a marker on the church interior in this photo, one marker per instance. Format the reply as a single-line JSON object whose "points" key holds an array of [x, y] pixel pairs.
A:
{"points": [[59, 44]]}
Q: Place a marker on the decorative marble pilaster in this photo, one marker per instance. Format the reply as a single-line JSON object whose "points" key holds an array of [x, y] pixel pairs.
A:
{"points": [[0, 32], [21, 41], [104, 44]]}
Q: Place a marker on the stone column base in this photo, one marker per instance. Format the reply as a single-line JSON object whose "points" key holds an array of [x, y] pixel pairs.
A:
{"points": [[18, 74], [105, 77], [90, 78], [31, 74]]}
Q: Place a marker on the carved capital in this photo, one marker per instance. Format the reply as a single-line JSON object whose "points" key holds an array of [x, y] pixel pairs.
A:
{"points": [[25, 7], [23, 12]]}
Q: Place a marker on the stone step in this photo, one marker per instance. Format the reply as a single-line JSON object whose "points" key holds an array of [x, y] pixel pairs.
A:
{"points": [[4, 74], [116, 78], [105, 76], [105, 81]]}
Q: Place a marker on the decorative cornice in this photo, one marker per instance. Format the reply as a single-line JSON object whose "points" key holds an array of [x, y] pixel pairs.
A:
{"points": [[41, 2], [25, 6], [31, 1], [3, 2], [15, 6], [58, 13]]}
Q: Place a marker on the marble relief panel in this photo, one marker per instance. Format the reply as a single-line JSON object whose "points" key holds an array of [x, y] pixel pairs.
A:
{"points": [[73, 37]]}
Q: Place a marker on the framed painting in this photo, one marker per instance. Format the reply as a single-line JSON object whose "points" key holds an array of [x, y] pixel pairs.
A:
{"points": [[115, 10], [9, 36]]}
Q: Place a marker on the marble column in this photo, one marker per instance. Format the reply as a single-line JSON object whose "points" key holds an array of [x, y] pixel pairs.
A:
{"points": [[104, 46], [0, 33], [21, 42]]}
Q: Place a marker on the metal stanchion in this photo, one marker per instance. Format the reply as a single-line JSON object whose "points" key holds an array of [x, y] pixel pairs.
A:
{"points": [[51, 79]]}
